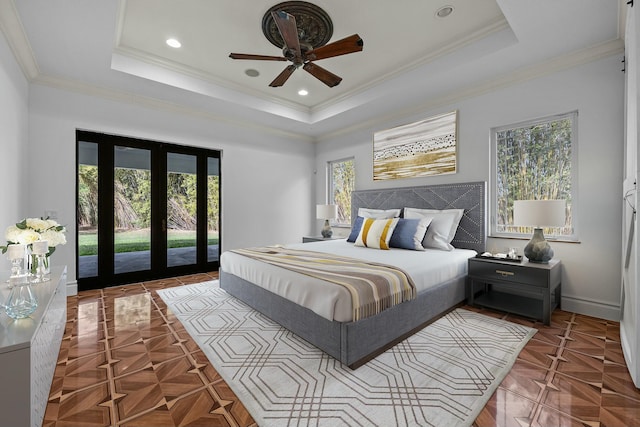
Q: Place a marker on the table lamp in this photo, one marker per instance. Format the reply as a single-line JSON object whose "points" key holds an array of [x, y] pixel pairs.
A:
{"points": [[539, 213], [326, 212]]}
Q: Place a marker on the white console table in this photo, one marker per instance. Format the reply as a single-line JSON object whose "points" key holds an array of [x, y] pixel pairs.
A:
{"points": [[29, 351]]}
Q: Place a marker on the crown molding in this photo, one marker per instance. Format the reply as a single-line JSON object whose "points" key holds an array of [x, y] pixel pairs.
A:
{"points": [[11, 26], [564, 62], [554, 65], [157, 104]]}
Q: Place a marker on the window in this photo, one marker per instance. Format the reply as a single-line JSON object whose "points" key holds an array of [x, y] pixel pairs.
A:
{"points": [[342, 178], [534, 160]]}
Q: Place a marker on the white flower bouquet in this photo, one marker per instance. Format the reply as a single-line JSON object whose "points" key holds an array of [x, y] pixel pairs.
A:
{"points": [[31, 230]]}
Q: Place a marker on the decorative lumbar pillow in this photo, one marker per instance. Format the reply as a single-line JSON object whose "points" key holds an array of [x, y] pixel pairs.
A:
{"points": [[409, 233], [378, 213], [355, 230], [443, 227], [376, 233]]}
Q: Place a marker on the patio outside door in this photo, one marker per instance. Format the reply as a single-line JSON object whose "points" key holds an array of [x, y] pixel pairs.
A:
{"points": [[146, 210]]}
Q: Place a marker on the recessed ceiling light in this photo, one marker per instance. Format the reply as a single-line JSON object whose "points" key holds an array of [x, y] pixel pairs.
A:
{"points": [[251, 72], [303, 92], [444, 11], [174, 43]]}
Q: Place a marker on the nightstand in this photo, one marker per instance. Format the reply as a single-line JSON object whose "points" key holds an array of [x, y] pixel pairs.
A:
{"points": [[307, 239], [526, 288]]}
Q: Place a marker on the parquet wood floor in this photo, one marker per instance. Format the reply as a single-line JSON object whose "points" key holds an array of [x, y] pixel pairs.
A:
{"points": [[125, 360]]}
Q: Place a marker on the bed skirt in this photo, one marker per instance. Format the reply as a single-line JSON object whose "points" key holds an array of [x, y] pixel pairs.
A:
{"points": [[352, 343]]}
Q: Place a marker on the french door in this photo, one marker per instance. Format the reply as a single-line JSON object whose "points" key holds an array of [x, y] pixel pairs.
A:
{"points": [[145, 210]]}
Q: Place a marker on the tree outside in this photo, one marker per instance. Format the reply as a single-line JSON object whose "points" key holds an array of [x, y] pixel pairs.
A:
{"points": [[132, 209], [342, 174], [533, 163]]}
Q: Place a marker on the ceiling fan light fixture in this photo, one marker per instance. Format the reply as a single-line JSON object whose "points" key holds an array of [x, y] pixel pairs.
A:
{"points": [[174, 43], [252, 72], [293, 30], [444, 11], [303, 92]]}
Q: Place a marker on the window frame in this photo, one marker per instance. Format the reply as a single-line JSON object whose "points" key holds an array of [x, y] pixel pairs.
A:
{"points": [[493, 206], [330, 187]]}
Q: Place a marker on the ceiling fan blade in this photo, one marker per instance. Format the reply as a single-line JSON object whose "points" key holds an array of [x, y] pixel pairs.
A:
{"points": [[321, 74], [349, 44], [283, 76], [288, 30], [258, 57]]}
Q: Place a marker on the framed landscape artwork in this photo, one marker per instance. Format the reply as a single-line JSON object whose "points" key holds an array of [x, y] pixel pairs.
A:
{"points": [[424, 148]]}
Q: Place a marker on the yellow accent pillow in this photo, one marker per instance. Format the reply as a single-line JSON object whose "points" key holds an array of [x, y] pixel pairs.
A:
{"points": [[376, 233]]}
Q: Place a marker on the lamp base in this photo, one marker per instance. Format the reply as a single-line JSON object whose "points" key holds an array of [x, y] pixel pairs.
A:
{"points": [[326, 232], [538, 249]]}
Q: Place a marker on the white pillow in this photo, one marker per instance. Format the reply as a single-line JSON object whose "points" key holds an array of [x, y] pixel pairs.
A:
{"points": [[378, 213], [376, 233], [443, 227]]}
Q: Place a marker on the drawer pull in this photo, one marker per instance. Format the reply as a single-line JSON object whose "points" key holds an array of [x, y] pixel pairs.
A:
{"points": [[505, 273]]}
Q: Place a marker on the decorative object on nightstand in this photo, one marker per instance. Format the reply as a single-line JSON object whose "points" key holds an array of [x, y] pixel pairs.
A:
{"points": [[326, 212], [539, 213]]}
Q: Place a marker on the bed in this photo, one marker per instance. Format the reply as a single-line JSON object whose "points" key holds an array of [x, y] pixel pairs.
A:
{"points": [[355, 342]]}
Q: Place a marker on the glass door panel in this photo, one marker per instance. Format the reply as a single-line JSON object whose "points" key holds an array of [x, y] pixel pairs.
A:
{"points": [[213, 209], [145, 209], [182, 208], [131, 209], [87, 211]]}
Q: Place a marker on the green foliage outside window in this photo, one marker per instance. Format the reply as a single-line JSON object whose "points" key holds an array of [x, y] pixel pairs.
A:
{"points": [[342, 177], [132, 203], [534, 162]]}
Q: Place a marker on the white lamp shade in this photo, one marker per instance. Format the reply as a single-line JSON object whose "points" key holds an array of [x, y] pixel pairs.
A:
{"points": [[326, 211], [539, 213]]}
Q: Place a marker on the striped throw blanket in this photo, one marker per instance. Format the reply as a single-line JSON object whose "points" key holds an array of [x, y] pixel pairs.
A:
{"points": [[374, 287]]}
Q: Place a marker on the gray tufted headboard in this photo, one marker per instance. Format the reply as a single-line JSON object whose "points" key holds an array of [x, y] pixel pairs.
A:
{"points": [[470, 196]]}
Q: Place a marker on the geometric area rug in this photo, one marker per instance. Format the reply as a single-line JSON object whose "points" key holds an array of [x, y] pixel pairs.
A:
{"points": [[441, 376]]}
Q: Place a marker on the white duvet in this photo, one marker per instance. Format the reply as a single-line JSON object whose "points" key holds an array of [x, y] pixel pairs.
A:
{"points": [[331, 301]]}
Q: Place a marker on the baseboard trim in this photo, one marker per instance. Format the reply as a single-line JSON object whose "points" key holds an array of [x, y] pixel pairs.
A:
{"points": [[72, 288], [599, 309]]}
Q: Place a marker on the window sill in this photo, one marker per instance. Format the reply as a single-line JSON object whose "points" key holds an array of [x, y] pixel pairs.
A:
{"points": [[343, 226], [527, 238]]}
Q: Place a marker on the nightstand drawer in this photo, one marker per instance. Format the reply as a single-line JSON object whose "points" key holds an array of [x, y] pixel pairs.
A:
{"points": [[506, 272]]}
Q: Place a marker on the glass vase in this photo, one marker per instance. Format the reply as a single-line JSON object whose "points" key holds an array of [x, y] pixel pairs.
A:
{"points": [[30, 261], [46, 267], [40, 270], [21, 301]]}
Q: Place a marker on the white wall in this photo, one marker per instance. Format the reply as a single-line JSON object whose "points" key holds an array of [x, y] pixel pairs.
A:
{"points": [[14, 91], [267, 179], [591, 275]]}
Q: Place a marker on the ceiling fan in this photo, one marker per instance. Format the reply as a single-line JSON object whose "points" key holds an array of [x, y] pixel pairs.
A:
{"points": [[301, 48]]}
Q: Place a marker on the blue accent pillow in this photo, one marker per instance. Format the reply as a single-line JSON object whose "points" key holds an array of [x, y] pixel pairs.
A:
{"points": [[409, 233], [355, 231]]}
